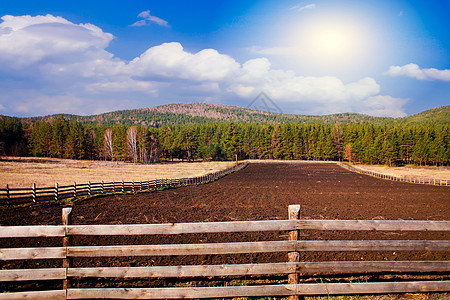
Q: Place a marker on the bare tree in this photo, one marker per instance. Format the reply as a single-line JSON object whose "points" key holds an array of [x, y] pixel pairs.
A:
{"points": [[108, 144], [132, 143]]}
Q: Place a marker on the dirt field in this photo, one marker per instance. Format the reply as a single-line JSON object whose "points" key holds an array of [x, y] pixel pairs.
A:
{"points": [[24, 171], [258, 192]]}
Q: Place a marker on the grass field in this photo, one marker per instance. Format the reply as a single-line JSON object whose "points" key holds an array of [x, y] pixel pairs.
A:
{"points": [[410, 170], [23, 172], [414, 171]]}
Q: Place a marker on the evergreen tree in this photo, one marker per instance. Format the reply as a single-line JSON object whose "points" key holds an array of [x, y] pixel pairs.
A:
{"points": [[120, 142], [75, 142], [287, 141], [329, 149], [41, 139], [276, 143], [12, 139], [232, 142], [338, 138], [59, 136]]}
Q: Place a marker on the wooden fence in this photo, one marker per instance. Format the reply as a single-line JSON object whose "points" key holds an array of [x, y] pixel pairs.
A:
{"points": [[41, 194], [411, 179], [292, 268]]}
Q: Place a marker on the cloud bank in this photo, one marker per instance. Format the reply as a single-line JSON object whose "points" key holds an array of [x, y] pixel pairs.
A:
{"points": [[414, 71], [51, 65]]}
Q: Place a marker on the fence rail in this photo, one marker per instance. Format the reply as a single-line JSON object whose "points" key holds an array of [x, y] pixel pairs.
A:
{"points": [[293, 267], [14, 196], [410, 179]]}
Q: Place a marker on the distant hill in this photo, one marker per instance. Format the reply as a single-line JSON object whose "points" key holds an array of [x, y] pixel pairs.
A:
{"points": [[438, 115], [197, 113]]}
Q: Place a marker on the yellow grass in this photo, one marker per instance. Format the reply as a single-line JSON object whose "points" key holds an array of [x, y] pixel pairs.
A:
{"points": [[413, 171], [23, 172]]}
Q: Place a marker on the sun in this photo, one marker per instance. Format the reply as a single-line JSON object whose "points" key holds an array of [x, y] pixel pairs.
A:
{"points": [[332, 43]]}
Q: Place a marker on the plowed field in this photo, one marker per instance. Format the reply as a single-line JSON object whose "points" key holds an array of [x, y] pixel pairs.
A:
{"points": [[258, 192]]}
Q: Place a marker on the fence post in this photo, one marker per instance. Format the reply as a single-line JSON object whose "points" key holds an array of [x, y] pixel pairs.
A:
{"points": [[66, 220], [74, 189], [103, 187], [294, 214], [89, 188], [7, 192], [123, 186], [33, 192], [56, 191]]}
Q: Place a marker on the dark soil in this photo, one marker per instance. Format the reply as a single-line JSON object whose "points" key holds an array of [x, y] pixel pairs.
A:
{"points": [[258, 192]]}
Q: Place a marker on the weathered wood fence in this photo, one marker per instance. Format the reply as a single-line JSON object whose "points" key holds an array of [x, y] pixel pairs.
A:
{"points": [[292, 268], [41, 194], [411, 179]]}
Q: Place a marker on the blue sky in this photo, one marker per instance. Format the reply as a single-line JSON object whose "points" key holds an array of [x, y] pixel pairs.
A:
{"points": [[378, 57]]}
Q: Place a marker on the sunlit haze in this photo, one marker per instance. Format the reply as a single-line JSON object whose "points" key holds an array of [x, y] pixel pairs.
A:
{"points": [[333, 43]]}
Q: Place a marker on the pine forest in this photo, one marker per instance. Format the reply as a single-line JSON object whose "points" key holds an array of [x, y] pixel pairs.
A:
{"points": [[367, 143]]}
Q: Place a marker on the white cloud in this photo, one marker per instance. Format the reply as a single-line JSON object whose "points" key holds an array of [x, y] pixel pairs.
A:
{"points": [[126, 85], [169, 60], [303, 7], [288, 87], [36, 105], [414, 71], [382, 106], [149, 19], [314, 95], [54, 66], [255, 70], [274, 50], [47, 39]]}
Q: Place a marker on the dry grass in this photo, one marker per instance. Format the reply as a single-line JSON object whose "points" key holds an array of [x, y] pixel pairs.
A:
{"points": [[410, 170], [414, 171], [23, 172]]}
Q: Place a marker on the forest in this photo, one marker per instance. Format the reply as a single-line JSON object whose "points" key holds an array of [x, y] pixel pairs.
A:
{"points": [[367, 143]]}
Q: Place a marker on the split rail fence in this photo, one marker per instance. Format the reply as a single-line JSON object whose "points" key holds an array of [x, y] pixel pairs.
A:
{"points": [[293, 268], [41, 194], [411, 179]]}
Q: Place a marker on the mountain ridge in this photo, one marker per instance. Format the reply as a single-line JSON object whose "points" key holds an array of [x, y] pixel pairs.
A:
{"points": [[203, 112]]}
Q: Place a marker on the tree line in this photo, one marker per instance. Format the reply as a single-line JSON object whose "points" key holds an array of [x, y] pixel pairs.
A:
{"points": [[391, 144]]}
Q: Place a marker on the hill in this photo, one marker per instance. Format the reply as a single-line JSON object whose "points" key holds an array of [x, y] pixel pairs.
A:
{"points": [[437, 115], [199, 113]]}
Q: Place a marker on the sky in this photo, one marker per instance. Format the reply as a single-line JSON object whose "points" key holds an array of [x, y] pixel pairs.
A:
{"points": [[377, 57]]}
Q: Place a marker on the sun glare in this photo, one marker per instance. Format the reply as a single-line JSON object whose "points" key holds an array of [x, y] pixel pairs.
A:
{"points": [[332, 43]]}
